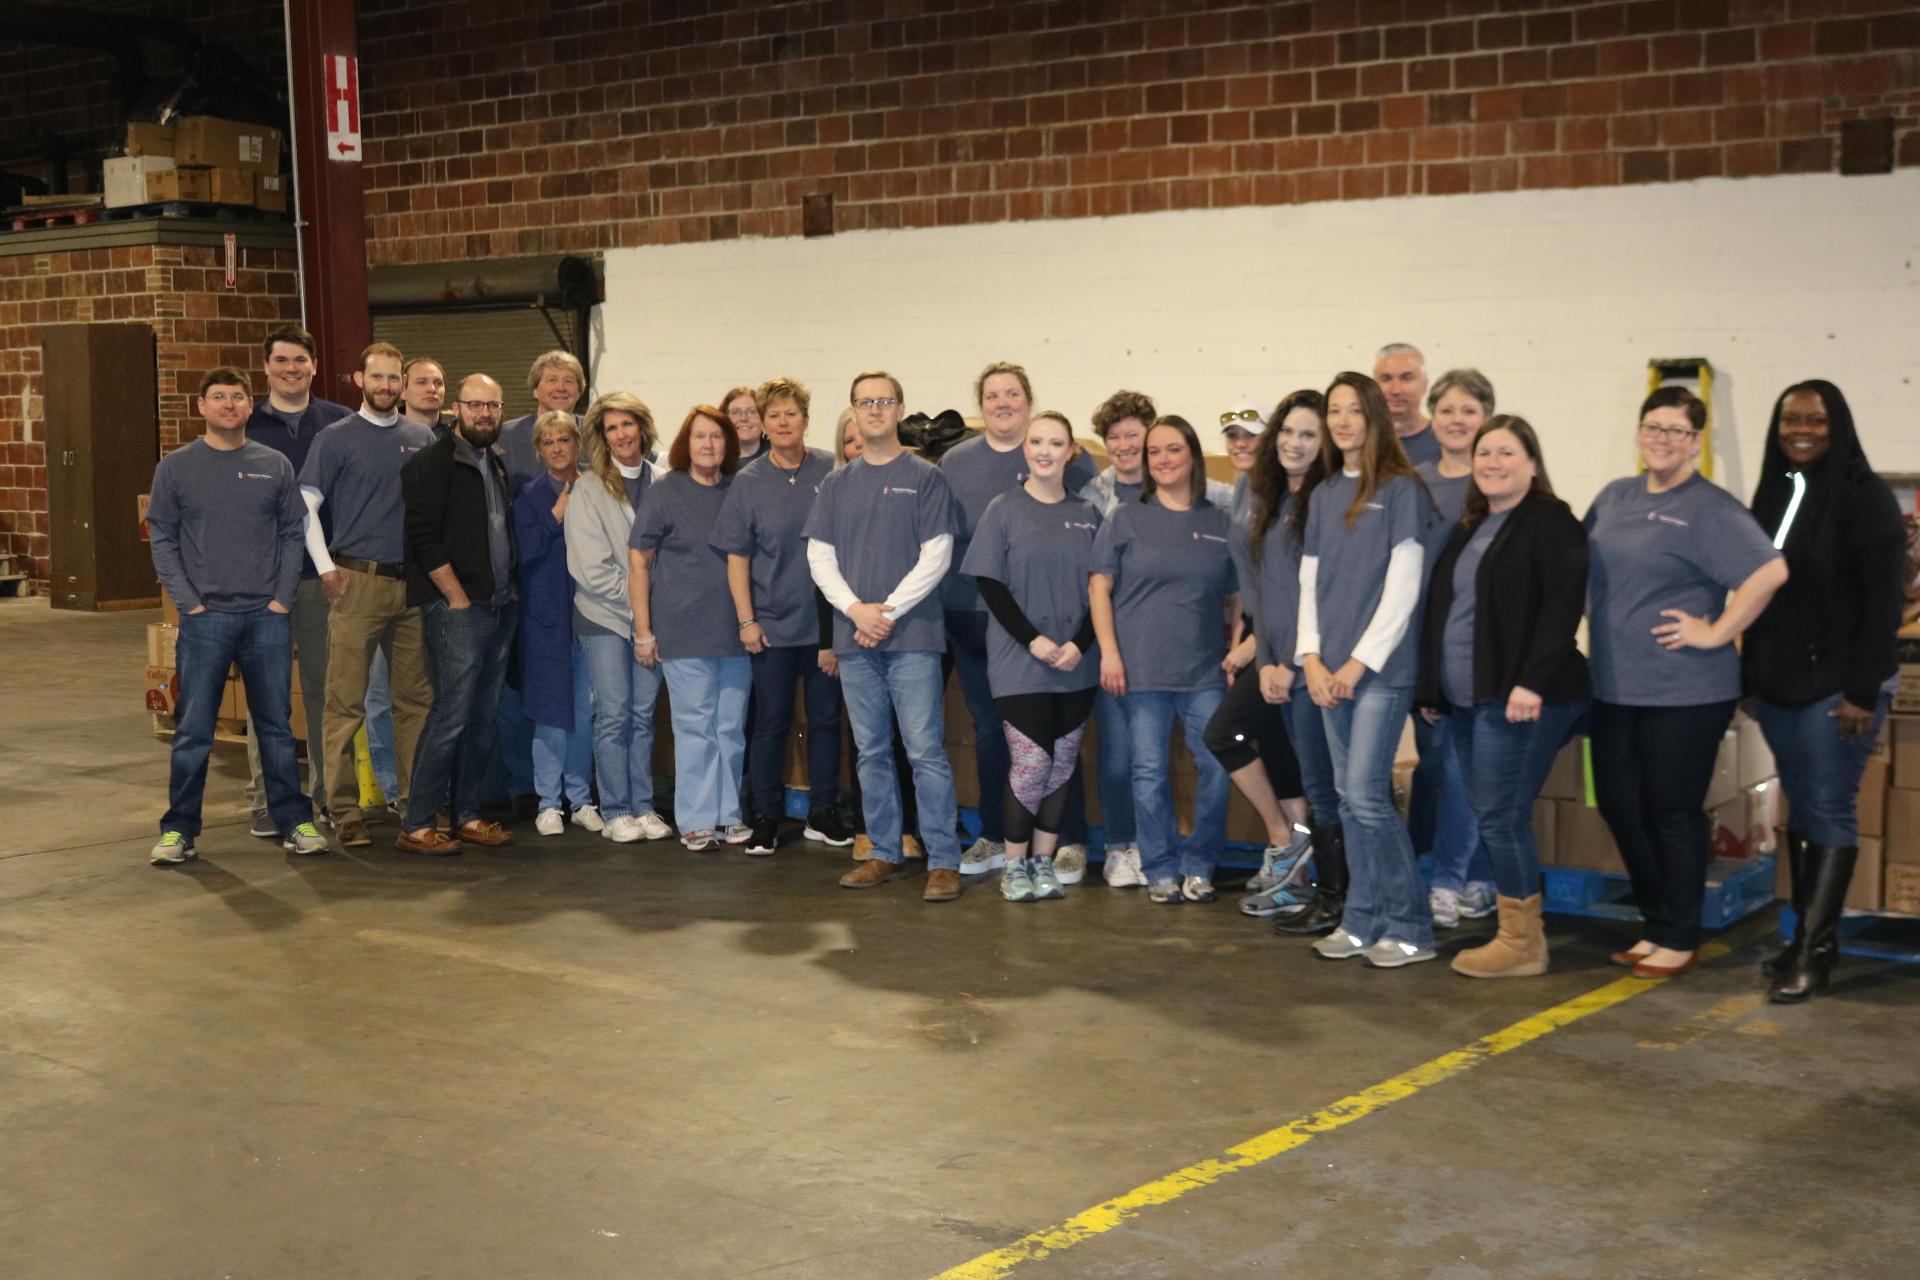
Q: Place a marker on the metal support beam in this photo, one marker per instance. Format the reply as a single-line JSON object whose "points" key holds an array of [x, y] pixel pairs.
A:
{"points": [[329, 192]]}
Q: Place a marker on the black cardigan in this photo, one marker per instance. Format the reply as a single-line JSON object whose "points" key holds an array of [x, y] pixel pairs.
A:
{"points": [[447, 520], [1531, 589]]}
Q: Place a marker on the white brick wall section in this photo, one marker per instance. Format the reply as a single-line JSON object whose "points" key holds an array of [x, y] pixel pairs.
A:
{"points": [[1561, 297]]}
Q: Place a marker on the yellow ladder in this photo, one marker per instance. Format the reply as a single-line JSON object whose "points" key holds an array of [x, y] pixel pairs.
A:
{"points": [[1695, 373]]}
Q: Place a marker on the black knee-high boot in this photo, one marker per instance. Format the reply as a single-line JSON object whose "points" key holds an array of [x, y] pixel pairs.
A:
{"points": [[1796, 855], [1829, 871]]}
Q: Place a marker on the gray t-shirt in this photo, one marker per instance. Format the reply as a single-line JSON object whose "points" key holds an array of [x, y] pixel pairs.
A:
{"points": [[1171, 574], [1456, 640], [226, 527], [1449, 494], [1353, 566], [355, 464], [1422, 448], [1682, 549], [1042, 552], [691, 606], [1277, 623], [875, 518], [978, 473], [764, 518]]}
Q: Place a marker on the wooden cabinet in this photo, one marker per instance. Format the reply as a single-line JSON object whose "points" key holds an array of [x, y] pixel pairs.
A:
{"points": [[103, 439]]}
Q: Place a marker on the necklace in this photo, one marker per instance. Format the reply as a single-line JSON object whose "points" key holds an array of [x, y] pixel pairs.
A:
{"points": [[793, 476]]}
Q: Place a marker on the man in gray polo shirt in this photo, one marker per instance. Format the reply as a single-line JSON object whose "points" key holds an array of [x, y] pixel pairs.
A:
{"points": [[353, 471]]}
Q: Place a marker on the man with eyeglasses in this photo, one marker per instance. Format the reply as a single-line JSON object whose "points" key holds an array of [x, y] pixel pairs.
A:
{"points": [[879, 540], [460, 561], [1401, 371], [353, 472], [225, 518], [288, 418]]}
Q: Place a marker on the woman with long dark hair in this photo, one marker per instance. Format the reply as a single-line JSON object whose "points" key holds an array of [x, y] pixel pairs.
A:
{"points": [[1361, 577], [1498, 662], [1820, 661], [1663, 550]]}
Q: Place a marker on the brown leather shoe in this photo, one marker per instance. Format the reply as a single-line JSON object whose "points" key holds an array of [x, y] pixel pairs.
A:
{"points": [[480, 831], [943, 885], [352, 833], [872, 872], [428, 843], [1628, 959]]}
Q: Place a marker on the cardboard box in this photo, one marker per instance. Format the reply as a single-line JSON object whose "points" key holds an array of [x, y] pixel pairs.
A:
{"points": [[145, 138], [123, 179], [169, 611], [173, 186], [230, 186], [163, 690], [214, 142], [1901, 889], [1906, 698], [1905, 736], [1729, 836], [1870, 804], [270, 192], [1868, 872], [1902, 827], [1567, 780], [1754, 757], [1581, 838], [1726, 771], [162, 640], [1763, 805], [1544, 830]]}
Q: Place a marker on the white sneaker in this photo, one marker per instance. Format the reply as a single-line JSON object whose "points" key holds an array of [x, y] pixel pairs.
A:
{"points": [[173, 849], [549, 822], [1445, 906], [735, 833], [1478, 901], [653, 826], [587, 818], [1197, 889], [1070, 863], [624, 829], [1391, 953], [983, 856], [1122, 870]]}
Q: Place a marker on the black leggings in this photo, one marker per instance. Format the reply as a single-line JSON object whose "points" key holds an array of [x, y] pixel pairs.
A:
{"points": [[1244, 714], [1043, 741]]}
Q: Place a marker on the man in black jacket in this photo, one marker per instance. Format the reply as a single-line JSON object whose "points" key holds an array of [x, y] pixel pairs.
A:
{"points": [[460, 559]]}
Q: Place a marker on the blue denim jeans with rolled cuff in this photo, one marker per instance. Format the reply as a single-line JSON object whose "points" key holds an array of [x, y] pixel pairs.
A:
{"points": [[880, 685], [1820, 770], [775, 672], [261, 642], [1505, 765], [709, 699], [467, 652], [1460, 853], [1113, 773], [624, 692], [563, 758], [1164, 856], [1309, 730], [1386, 898]]}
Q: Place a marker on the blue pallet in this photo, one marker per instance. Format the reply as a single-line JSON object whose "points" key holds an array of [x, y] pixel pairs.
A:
{"points": [[1870, 935], [1736, 888]]}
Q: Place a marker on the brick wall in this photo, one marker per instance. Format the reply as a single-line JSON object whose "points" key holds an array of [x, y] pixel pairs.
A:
{"points": [[198, 323], [512, 129]]}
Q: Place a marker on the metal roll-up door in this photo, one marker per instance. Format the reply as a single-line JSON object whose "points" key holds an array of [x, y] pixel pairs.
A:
{"points": [[501, 344]]}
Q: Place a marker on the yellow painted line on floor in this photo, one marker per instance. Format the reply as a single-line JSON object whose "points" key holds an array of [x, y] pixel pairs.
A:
{"points": [[1301, 1130]]}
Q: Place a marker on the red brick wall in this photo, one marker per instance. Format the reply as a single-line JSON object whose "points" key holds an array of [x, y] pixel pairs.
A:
{"points": [[198, 323], [513, 130]]}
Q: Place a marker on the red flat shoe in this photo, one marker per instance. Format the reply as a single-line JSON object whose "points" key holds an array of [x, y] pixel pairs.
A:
{"points": [[1628, 959], [1645, 970]]}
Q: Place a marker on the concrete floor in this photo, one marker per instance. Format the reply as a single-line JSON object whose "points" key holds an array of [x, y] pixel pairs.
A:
{"points": [[567, 1059]]}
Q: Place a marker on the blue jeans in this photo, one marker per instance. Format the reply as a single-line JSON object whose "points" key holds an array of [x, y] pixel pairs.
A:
{"points": [[209, 643], [386, 769], [467, 653], [1460, 854], [878, 684], [623, 696], [1819, 770], [1309, 730], [563, 759], [967, 652], [775, 670], [1505, 766], [1114, 772], [516, 743], [709, 698], [1386, 897], [1164, 856]]}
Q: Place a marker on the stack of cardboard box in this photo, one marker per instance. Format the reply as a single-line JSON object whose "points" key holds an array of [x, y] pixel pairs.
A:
{"points": [[163, 682], [1900, 843], [197, 160]]}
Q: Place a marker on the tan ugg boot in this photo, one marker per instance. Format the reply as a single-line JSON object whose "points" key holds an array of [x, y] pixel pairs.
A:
{"points": [[1518, 950]]}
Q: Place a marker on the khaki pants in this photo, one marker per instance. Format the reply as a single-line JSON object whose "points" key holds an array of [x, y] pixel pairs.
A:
{"points": [[372, 615]]}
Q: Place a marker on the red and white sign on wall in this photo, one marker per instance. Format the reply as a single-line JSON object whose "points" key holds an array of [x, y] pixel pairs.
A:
{"points": [[343, 108]]}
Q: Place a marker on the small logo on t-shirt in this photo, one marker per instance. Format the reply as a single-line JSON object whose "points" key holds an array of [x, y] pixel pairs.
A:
{"points": [[1675, 521], [1207, 537], [1078, 524], [409, 448], [894, 488], [251, 475], [1376, 506]]}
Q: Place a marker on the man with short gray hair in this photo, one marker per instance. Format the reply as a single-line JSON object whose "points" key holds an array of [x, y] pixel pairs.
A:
{"points": [[1401, 371]]}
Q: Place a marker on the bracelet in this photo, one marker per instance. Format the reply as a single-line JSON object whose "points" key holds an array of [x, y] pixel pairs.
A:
{"points": [[646, 640], [747, 622]]}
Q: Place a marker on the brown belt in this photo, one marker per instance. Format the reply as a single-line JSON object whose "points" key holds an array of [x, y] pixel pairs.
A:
{"points": [[373, 567]]}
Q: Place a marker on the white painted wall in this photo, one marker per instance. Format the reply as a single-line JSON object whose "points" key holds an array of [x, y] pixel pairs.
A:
{"points": [[1561, 297]]}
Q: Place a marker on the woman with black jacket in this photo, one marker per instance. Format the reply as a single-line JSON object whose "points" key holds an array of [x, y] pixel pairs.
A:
{"points": [[1497, 657], [1819, 661]]}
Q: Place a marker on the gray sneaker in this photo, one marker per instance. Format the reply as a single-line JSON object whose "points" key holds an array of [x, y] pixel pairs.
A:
{"points": [[306, 838], [1281, 863], [262, 826], [173, 849], [1444, 904], [1278, 900], [1340, 945], [1478, 901], [1391, 953], [1016, 885], [1046, 882]]}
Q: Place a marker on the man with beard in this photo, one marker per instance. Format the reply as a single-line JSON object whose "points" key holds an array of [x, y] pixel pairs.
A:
{"points": [[460, 557], [353, 471]]}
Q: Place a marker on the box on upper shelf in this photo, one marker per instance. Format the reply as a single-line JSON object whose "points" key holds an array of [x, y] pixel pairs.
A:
{"points": [[123, 179], [145, 138], [231, 144]]}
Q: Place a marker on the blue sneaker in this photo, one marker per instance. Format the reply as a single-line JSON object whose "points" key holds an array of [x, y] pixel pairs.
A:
{"points": [[1281, 863]]}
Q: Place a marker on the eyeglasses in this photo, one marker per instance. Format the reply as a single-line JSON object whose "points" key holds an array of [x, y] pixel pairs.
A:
{"points": [[876, 402], [1669, 434], [1241, 417], [475, 406]]}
